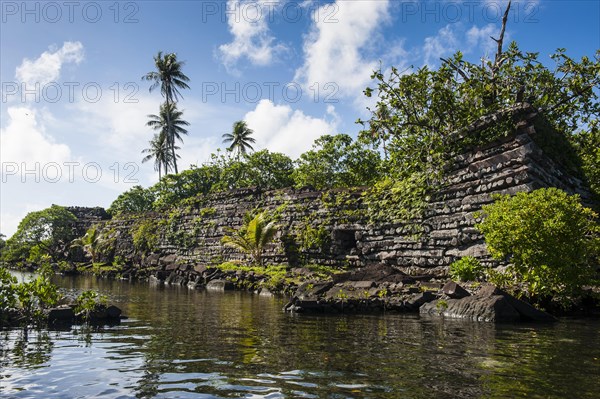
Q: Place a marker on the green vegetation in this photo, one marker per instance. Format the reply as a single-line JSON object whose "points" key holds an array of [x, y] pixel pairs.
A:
{"points": [[42, 233], [170, 126], [92, 242], [337, 161], [424, 117], [170, 78], [29, 298], [551, 241], [89, 301], [256, 233], [145, 235], [239, 139], [135, 200], [466, 269]]}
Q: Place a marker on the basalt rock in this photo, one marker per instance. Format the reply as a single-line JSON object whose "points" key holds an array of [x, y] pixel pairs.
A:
{"points": [[490, 304]]}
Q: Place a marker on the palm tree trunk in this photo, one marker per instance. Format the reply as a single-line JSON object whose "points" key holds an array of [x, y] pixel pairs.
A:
{"points": [[171, 136]]}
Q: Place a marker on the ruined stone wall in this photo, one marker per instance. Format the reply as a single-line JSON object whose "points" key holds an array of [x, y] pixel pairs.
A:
{"points": [[312, 229]]}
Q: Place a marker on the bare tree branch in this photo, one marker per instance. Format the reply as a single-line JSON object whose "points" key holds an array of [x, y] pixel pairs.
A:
{"points": [[456, 68], [500, 40]]}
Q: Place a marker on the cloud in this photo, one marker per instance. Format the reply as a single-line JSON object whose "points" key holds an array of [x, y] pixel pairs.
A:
{"points": [[46, 68], [334, 48], [480, 38], [282, 129], [24, 139], [441, 45], [251, 35], [453, 37]]}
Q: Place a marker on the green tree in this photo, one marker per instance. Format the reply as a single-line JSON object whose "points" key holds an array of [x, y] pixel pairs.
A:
{"points": [[135, 200], [160, 152], [262, 169], [337, 161], [252, 238], [550, 240], [92, 242], [173, 189], [8, 294], [170, 78], [430, 115], [42, 232], [170, 127], [240, 138]]}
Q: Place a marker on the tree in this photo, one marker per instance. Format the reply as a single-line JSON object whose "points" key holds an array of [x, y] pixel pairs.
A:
{"points": [[434, 114], [135, 200], [550, 240], [337, 161], [160, 151], [170, 78], [170, 127], [263, 169], [42, 232], [92, 242], [240, 138], [253, 236]]}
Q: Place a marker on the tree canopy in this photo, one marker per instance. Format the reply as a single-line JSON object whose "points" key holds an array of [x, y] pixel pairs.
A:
{"points": [[44, 232]]}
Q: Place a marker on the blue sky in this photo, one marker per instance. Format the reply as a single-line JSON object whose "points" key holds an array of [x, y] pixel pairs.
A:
{"points": [[73, 107]]}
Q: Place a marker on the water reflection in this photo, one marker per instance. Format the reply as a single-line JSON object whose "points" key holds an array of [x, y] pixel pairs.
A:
{"points": [[179, 344]]}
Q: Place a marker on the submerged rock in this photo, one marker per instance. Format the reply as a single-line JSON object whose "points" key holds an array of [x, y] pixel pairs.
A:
{"points": [[490, 304], [219, 285]]}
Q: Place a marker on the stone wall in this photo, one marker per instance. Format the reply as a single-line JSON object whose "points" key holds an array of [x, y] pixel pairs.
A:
{"points": [[313, 228]]}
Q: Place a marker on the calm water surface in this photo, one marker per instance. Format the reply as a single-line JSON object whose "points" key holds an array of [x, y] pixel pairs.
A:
{"points": [[193, 344]]}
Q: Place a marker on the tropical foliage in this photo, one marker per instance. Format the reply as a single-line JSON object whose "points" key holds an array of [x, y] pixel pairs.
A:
{"points": [[91, 242], [550, 239], [240, 139], [252, 238], [46, 232], [170, 78], [337, 161], [135, 200], [426, 116]]}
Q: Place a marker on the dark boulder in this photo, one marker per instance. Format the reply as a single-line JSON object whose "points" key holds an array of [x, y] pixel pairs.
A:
{"points": [[490, 304], [415, 301], [220, 285], [61, 314], [455, 291]]}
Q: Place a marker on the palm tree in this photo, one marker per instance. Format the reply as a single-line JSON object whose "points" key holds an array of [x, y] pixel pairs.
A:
{"points": [[170, 127], [160, 151], [92, 242], [253, 236], [240, 138], [170, 78]]}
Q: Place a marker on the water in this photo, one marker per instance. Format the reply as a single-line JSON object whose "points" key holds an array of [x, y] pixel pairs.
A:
{"points": [[193, 344]]}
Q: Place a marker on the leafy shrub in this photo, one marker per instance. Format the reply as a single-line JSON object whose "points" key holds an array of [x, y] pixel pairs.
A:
{"points": [[8, 298], [145, 236], [38, 294], [466, 269], [551, 240], [88, 301], [135, 200]]}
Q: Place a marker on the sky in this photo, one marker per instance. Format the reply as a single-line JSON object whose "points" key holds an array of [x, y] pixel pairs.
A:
{"points": [[74, 108]]}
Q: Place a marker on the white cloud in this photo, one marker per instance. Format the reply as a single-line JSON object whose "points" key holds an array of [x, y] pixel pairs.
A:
{"points": [[480, 38], [282, 129], [248, 23], [24, 139], [334, 47], [441, 45], [46, 68], [453, 37]]}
